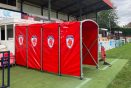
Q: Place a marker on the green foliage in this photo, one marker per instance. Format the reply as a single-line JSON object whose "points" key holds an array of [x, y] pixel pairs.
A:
{"points": [[125, 31], [107, 19]]}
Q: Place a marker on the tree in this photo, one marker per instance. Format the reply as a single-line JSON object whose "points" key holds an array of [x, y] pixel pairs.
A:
{"points": [[107, 19]]}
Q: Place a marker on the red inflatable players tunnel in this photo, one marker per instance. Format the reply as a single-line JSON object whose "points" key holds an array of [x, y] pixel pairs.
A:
{"points": [[60, 48]]}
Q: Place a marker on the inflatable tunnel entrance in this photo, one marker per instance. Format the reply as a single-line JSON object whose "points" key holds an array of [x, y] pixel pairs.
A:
{"points": [[90, 31]]}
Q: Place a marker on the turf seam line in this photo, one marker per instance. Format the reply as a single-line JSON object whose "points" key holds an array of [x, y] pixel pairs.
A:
{"points": [[104, 68], [83, 83]]}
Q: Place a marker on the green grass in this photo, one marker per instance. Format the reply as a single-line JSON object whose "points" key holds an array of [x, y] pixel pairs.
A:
{"points": [[123, 79], [22, 77]]}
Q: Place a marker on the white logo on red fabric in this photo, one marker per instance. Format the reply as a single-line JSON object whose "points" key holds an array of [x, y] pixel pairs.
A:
{"points": [[20, 39], [34, 40], [50, 41], [69, 41]]}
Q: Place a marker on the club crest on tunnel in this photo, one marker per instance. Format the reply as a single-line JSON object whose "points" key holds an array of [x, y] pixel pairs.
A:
{"points": [[34, 40], [70, 41], [20, 39], [50, 41]]}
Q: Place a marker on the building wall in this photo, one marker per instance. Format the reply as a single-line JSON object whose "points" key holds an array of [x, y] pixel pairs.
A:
{"points": [[34, 9], [31, 9], [8, 7], [90, 16], [63, 16]]}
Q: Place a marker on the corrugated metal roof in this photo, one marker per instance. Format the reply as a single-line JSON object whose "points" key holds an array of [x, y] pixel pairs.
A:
{"points": [[72, 7]]}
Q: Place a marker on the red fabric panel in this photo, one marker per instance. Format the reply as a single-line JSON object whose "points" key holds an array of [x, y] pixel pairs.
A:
{"points": [[103, 53], [34, 46], [20, 45], [90, 39], [50, 47], [70, 48]]}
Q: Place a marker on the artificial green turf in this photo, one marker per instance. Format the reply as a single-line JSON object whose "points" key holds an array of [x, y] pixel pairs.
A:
{"points": [[27, 78], [123, 79], [102, 78]]}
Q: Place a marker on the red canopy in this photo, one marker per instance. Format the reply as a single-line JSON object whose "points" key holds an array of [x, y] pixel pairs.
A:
{"points": [[108, 2]]}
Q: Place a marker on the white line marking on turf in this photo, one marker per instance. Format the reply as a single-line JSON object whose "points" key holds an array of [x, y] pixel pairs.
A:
{"points": [[83, 83], [110, 63]]}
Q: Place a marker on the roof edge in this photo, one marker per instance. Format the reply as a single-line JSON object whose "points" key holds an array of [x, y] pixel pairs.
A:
{"points": [[109, 3]]}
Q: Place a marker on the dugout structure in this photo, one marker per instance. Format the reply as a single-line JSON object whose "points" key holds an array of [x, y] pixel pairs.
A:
{"points": [[60, 48]]}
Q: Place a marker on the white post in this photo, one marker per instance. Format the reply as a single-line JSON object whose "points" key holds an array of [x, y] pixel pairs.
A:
{"points": [[14, 32], [41, 48], [0, 34], [5, 33], [81, 58], [98, 47], [14, 37], [59, 53]]}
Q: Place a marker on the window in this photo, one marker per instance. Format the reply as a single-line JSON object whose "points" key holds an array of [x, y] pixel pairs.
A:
{"points": [[2, 32], [3, 1], [9, 2], [9, 32]]}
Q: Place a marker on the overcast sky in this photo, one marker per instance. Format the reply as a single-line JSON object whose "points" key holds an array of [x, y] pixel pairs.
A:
{"points": [[123, 11]]}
